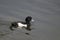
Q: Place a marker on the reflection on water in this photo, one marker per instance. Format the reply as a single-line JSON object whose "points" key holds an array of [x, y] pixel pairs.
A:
{"points": [[4, 29]]}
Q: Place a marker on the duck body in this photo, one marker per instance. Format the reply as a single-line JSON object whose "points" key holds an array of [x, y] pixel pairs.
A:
{"points": [[20, 24]]}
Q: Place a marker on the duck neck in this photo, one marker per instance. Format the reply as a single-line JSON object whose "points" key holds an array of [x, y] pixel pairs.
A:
{"points": [[27, 22]]}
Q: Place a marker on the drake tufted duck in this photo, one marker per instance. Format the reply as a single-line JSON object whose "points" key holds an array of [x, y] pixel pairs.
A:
{"points": [[20, 24]]}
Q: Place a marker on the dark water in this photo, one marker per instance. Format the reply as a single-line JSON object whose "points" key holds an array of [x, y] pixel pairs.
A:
{"points": [[46, 14]]}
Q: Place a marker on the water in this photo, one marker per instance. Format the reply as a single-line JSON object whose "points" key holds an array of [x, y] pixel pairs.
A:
{"points": [[46, 14]]}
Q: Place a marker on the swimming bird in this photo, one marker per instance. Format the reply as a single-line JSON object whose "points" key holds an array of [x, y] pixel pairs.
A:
{"points": [[21, 24]]}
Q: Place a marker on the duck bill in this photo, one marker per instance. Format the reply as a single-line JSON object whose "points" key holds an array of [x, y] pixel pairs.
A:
{"points": [[32, 20]]}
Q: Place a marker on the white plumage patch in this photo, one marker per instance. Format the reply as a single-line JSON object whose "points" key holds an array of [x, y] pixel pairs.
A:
{"points": [[20, 25]]}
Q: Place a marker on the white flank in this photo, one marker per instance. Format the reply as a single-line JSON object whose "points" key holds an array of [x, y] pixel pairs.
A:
{"points": [[20, 25]]}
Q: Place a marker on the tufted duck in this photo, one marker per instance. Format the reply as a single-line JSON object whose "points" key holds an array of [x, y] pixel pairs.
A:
{"points": [[20, 24]]}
